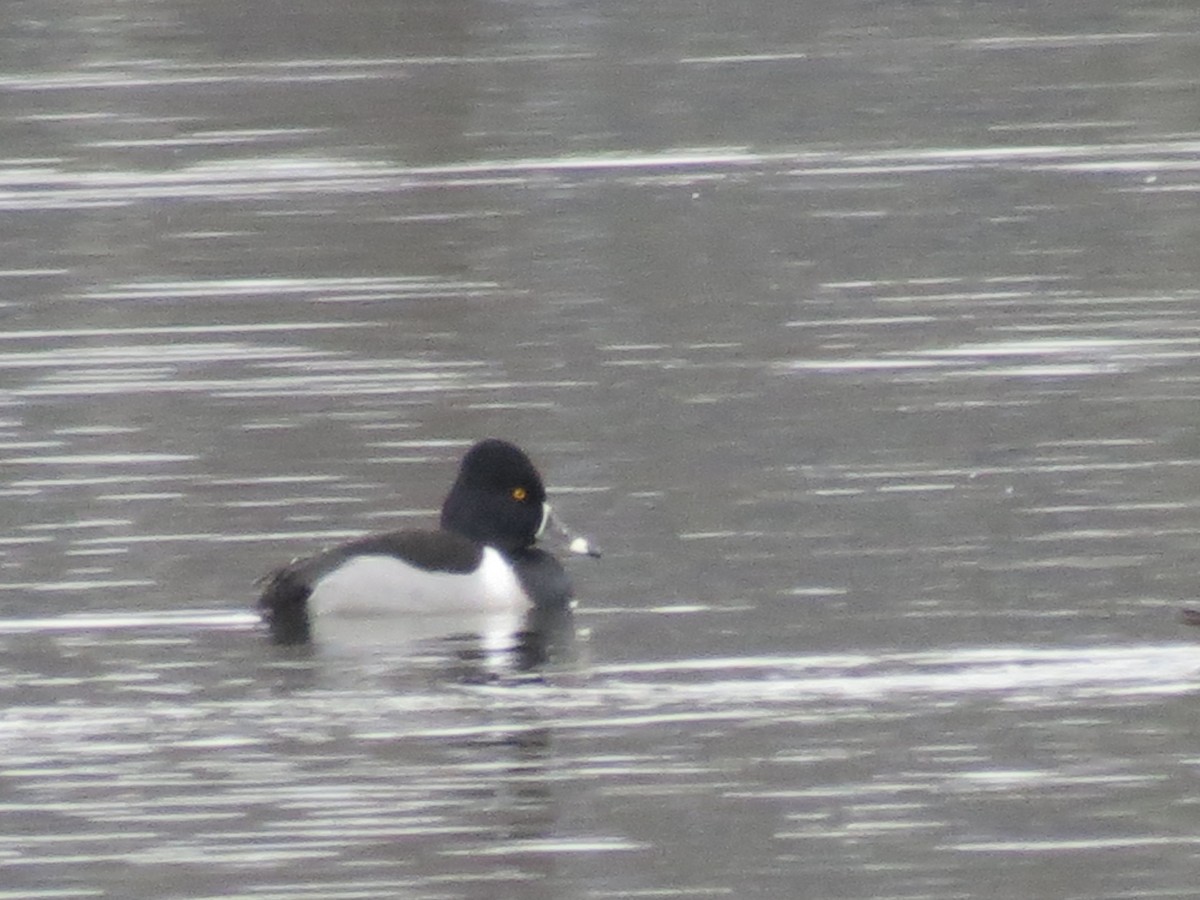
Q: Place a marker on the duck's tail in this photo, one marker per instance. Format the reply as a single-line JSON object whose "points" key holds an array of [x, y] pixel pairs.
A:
{"points": [[283, 606]]}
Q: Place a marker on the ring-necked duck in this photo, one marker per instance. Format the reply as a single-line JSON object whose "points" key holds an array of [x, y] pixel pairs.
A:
{"points": [[483, 558]]}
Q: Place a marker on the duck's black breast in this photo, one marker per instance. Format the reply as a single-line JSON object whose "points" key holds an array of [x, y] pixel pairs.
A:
{"points": [[542, 576]]}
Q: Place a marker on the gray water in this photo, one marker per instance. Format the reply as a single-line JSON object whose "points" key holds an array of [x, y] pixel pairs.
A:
{"points": [[865, 338]]}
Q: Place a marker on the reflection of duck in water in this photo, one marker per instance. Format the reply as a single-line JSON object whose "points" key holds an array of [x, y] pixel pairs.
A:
{"points": [[482, 561]]}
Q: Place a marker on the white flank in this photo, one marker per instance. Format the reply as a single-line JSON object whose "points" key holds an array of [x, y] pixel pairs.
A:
{"points": [[370, 585]]}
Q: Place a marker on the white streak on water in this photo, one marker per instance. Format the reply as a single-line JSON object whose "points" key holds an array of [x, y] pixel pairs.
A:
{"points": [[1060, 357], [46, 185], [101, 459], [1022, 674], [283, 327], [118, 621]]}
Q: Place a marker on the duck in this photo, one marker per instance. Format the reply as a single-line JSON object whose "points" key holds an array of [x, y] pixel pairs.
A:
{"points": [[483, 557]]}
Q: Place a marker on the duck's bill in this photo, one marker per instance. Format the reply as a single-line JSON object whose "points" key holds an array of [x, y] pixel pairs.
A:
{"points": [[554, 528]]}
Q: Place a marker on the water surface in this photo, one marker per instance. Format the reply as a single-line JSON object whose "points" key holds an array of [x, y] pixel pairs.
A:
{"points": [[864, 341]]}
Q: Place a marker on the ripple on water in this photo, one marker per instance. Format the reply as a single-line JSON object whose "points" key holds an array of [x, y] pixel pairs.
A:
{"points": [[184, 740]]}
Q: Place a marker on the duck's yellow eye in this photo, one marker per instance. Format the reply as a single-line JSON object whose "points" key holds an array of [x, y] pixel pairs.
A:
{"points": [[519, 493]]}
